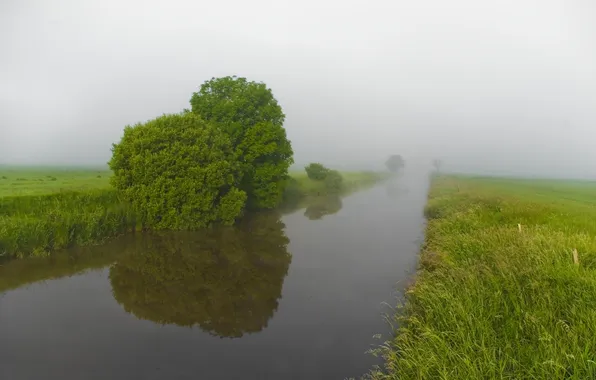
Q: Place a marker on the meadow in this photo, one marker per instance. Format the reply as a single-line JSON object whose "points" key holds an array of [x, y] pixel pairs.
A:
{"points": [[16, 181], [506, 287], [46, 209]]}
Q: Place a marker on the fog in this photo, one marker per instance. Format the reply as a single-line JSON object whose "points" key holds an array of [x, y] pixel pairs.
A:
{"points": [[502, 87]]}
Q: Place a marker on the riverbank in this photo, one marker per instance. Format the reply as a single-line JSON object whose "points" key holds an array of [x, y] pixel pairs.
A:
{"points": [[506, 286], [45, 210]]}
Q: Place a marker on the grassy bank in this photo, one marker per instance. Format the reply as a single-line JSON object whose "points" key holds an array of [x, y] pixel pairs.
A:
{"points": [[302, 186], [500, 293], [42, 210], [37, 224]]}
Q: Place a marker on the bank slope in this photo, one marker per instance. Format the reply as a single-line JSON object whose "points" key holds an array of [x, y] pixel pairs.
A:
{"points": [[506, 287]]}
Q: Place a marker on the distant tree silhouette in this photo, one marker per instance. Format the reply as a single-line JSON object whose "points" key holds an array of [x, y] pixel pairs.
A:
{"points": [[395, 163]]}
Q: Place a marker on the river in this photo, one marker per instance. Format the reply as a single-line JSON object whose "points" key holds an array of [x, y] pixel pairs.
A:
{"points": [[294, 296]]}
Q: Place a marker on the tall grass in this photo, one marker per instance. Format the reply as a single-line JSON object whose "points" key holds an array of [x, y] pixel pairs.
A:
{"points": [[499, 294], [36, 225]]}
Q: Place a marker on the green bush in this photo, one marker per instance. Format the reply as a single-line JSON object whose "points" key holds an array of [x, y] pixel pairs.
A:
{"points": [[178, 172], [316, 171], [249, 114], [334, 181]]}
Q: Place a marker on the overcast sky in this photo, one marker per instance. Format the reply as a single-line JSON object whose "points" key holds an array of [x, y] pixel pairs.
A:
{"points": [[495, 86]]}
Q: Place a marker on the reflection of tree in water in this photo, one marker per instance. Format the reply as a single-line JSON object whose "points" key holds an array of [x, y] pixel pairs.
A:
{"points": [[226, 280], [318, 207]]}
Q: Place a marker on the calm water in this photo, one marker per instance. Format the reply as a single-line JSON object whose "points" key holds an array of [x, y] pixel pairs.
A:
{"points": [[294, 296]]}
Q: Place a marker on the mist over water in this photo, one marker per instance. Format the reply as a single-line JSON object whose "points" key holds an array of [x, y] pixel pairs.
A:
{"points": [[506, 87]]}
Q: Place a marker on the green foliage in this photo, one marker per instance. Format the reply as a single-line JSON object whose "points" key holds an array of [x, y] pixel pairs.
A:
{"points": [[316, 171], [334, 182], [37, 225], [249, 114], [395, 163], [227, 280], [499, 294], [178, 172]]}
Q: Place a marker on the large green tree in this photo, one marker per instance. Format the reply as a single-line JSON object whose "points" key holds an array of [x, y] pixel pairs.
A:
{"points": [[179, 173], [251, 116]]}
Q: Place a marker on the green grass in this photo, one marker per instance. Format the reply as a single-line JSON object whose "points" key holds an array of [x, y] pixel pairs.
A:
{"points": [[352, 181], [492, 300], [39, 224], [46, 209], [18, 181]]}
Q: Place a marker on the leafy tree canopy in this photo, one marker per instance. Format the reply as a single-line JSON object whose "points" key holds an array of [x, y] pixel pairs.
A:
{"points": [[394, 163], [316, 171], [251, 116], [178, 172]]}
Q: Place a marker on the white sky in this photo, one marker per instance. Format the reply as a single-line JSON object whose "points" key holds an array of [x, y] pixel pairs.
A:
{"points": [[496, 86]]}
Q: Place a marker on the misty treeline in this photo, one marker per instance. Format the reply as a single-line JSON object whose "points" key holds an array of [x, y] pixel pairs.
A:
{"points": [[210, 163]]}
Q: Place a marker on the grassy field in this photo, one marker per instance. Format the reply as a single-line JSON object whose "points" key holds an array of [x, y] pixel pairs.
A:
{"points": [[506, 287], [17, 181], [45, 209]]}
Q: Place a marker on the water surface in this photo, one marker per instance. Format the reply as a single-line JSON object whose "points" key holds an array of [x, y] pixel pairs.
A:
{"points": [[294, 296]]}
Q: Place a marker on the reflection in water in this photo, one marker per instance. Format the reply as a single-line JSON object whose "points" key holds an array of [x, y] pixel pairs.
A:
{"points": [[225, 280], [320, 206], [315, 207], [17, 273]]}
